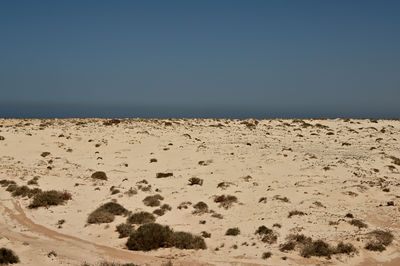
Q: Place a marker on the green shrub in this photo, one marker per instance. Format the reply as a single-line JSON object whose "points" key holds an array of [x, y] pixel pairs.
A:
{"points": [[7, 256], [49, 198], [141, 218]]}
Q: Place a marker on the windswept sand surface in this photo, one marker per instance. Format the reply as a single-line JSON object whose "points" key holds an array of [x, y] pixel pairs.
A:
{"points": [[323, 168]]}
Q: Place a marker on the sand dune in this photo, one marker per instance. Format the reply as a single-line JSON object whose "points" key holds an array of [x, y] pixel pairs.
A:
{"points": [[329, 180]]}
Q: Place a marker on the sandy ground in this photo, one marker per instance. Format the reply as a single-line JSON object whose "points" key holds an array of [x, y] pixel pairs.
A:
{"points": [[325, 168]]}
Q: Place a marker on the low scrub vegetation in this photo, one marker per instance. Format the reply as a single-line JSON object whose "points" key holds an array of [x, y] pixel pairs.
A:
{"points": [[99, 175], [153, 201], [141, 218], [106, 213], [7, 256], [153, 236], [379, 240], [49, 198], [225, 201]]}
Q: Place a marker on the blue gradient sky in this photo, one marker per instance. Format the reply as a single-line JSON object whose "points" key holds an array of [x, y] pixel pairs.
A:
{"points": [[272, 56]]}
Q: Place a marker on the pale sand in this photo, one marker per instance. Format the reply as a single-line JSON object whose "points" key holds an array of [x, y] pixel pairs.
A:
{"points": [[282, 157]]}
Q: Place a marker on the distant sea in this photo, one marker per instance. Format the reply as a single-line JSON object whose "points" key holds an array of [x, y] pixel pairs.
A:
{"points": [[75, 110]]}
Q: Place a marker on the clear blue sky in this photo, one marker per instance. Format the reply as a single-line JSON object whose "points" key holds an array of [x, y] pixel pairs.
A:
{"points": [[268, 55]]}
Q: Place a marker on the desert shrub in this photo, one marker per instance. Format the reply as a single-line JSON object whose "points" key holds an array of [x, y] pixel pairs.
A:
{"points": [[379, 240], [159, 212], [349, 215], [49, 198], [317, 248], [267, 235], [6, 183], [266, 255], [33, 181], [225, 201], [100, 216], [166, 207], [113, 207], [153, 201], [107, 263], [11, 187], [290, 245], [184, 240], [163, 175], [20, 191], [395, 160], [150, 236], [195, 181], [124, 230], [205, 234], [200, 207], [99, 175], [7, 256], [295, 212], [232, 231], [141, 218], [360, 224], [45, 154], [153, 160], [343, 248], [111, 122]]}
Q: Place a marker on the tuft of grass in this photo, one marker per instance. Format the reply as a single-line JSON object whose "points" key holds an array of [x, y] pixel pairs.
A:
{"points": [[141, 218], [7, 256], [124, 230], [49, 198], [225, 201], [153, 201], [232, 231]]}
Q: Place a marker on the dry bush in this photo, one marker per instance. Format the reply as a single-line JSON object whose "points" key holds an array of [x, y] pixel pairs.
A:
{"points": [[113, 207], [360, 224], [200, 208], [99, 175], [124, 230], [7, 256], [267, 235], [141, 218], [49, 198], [225, 201], [100, 216], [295, 212], [266, 255], [163, 175], [379, 239], [232, 231], [184, 240], [195, 181], [153, 201], [6, 183]]}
